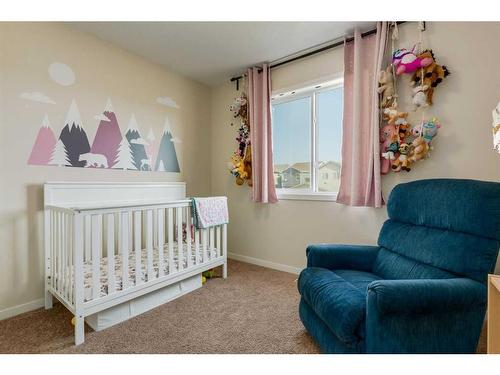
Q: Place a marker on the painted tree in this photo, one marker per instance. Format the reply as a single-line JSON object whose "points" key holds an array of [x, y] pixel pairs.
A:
{"points": [[124, 159], [137, 144], [60, 155]]}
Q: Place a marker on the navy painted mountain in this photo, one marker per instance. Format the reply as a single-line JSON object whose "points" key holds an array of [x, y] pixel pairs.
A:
{"points": [[74, 137], [139, 156], [167, 157]]}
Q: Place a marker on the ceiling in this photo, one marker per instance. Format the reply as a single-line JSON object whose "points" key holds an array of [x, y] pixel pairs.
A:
{"points": [[213, 52]]}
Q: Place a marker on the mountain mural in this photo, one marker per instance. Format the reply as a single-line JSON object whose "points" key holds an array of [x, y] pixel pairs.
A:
{"points": [[108, 136], [166, 159], [74, 137], [45, 142], [137, 143], [111, 147]]}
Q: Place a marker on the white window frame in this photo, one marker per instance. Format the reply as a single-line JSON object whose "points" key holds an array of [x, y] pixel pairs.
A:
{"points": [[299, 93]]}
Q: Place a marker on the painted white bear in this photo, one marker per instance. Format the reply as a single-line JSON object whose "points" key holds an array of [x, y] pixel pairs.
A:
{"points": [[94, 160]]}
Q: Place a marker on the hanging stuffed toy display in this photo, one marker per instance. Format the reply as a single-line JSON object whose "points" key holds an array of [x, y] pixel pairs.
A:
{"points": [[240, 164], [400, 144], [430, 77]]}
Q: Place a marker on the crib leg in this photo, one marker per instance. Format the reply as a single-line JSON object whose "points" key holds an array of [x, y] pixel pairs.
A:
{"points": [[48, 300], [79, 330], [224, 270]]}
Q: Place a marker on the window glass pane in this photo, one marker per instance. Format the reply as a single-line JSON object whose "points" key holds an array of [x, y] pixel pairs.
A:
{"points": [[329, 144], [292, 144]]}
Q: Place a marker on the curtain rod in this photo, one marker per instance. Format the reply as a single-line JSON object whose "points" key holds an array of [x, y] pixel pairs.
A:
{"points": [[314, 52]]}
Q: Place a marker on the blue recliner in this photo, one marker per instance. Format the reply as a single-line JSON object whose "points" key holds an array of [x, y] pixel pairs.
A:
{"points": [[422, 289]]}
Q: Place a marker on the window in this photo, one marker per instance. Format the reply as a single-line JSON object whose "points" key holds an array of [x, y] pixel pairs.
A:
{"points": [[307, 139]]}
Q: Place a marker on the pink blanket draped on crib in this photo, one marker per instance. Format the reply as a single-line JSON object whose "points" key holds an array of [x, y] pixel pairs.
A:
{"points": [[208, 212]]}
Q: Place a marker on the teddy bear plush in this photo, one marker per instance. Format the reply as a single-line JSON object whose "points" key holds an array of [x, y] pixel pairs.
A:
{"points": [[386, 87], [419, 96], [420, 149]]}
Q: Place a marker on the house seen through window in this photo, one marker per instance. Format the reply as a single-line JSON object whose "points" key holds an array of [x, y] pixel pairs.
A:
{"points": [[307, 138]]}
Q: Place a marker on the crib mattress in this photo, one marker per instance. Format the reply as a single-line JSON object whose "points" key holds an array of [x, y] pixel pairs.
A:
{"points": [[132, 274]]}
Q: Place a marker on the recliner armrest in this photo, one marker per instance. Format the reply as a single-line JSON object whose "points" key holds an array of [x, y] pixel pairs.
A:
{"points": [[421, 296], [333, 256]]}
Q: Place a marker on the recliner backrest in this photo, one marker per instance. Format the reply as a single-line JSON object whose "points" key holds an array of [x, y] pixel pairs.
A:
{"points": [[440, 228]]}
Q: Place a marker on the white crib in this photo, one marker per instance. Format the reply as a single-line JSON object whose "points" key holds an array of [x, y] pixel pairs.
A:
{"points": [[98, 235]]}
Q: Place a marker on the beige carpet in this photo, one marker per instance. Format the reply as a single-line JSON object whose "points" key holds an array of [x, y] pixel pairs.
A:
{"points": [[253, 311]]}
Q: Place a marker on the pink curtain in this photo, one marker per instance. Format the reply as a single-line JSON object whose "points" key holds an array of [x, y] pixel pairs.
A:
{"points": [[259, 111], [360, 183]]}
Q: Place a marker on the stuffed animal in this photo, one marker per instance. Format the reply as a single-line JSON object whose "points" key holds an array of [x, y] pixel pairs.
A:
{"points": [[390, 112], [392, 149], [416, 131], [393, 116], [433, 75], [407, 61], [402, 162], [496, 127], [386, 87], [420, 149], [403, 127], [388, 135], [430, 129], [239, 108], [419, 96], [398, 119], [247, 165]]}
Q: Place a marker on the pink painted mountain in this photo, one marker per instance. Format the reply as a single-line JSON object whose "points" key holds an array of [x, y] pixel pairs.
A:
{"points": [[44, 144], [108, 136]]}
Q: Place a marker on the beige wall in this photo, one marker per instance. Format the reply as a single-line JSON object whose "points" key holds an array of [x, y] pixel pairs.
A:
{"points": [[279, 233], [102, 70]]}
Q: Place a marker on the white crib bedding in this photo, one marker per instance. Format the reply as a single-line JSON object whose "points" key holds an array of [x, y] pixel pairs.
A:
{"points": [[87, 267]]}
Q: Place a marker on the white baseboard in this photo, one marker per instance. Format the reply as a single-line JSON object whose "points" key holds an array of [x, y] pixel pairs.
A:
{"points": [[264, 263], [19, 309]]}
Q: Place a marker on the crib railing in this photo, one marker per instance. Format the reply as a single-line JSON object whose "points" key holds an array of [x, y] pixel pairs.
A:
{"points": [[79, 240]]}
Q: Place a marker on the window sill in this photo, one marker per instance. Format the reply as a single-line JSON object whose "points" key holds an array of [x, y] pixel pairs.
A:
{"points": [[327, 197]]}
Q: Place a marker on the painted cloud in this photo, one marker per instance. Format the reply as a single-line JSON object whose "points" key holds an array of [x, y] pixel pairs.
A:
{"points": [[37, 96], [167, 101], [61, 73]]}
